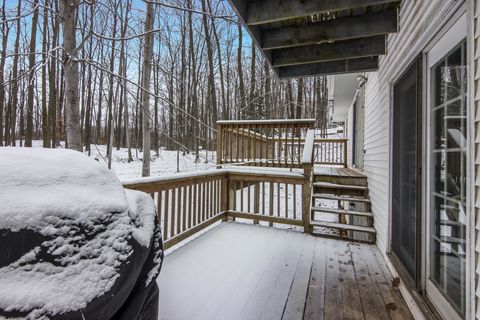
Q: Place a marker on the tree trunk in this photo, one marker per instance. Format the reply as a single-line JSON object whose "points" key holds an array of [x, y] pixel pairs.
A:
{"points": [[31, 74], [240, 71], [14, 91], [220, 67], [3, 56], [194, 100], [109, 121], [69, 9], [251, 104], [268, 89], [298, 114], [90, 90], [52, 87], [147, 65], [45, 126], [212, 96]]}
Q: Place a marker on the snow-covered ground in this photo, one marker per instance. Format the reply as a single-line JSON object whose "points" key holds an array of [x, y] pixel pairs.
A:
{"points": [[163, 164]]}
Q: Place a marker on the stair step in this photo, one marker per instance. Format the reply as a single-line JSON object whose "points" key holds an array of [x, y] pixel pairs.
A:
{"points": [[341, 198], [338, 186], [357, 181], [348, 227], [343, 211]]}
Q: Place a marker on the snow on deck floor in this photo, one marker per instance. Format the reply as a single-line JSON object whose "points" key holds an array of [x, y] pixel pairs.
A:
{"points": [[243, 271]]}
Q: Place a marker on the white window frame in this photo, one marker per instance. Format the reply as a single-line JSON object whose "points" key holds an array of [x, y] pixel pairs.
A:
{"points": [[457, 32]]}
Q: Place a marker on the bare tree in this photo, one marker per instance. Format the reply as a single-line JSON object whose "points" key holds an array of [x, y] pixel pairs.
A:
{"points": [[31, 74], [70, 66], [241, 85], [147, 67], [3, 56]]}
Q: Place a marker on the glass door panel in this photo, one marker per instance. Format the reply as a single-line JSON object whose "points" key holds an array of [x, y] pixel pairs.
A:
{"points": [[405, 168], [448, 154]]}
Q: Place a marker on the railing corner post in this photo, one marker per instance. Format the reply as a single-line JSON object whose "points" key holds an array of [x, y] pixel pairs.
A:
{"points": [[307, 197], [219, 145], [232, 193], [225, 197], [256, 201]]}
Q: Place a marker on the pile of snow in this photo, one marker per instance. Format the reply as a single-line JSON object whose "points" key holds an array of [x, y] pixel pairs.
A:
{"points": [[85, 220]]}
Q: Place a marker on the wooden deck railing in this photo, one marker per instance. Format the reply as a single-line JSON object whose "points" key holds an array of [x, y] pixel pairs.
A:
{"points": [[188, 203], [331, 151], [271, 197], [270, 143]]}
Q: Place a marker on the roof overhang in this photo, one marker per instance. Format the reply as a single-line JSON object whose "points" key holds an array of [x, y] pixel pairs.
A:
{"points": [[319, 37]]}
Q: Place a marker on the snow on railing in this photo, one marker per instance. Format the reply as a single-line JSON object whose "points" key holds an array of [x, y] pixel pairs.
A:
{"points": [[307, 157], [188, 203]]}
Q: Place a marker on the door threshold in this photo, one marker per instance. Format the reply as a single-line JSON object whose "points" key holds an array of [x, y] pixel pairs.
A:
{"points": [[418, 303]]}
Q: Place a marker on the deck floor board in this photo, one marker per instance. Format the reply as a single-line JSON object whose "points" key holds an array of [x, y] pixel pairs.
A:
{"points": [[242, 271]]}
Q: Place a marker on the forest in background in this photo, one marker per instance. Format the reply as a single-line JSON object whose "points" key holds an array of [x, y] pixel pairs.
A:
{"points": [[129, 73]]}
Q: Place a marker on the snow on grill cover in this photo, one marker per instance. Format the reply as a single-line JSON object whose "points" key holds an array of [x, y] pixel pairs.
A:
{"points": [[73, 243]]}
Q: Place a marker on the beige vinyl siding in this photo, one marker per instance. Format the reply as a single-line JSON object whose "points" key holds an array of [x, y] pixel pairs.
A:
{"points": [[417, 22]]}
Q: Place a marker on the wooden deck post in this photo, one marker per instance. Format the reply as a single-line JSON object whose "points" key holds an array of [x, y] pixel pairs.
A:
{"points": [[219, 145], [256, 200], [224, 202], [307, 197], [232, 194]]}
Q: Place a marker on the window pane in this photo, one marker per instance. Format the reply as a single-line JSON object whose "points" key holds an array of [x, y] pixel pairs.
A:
{"points": [[453, 74], [448, 181]]}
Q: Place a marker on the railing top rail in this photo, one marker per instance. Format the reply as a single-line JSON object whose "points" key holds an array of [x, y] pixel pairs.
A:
{"points": [[331, 139], [268, 121], [307, 157], [265, 173], [166, 180], [149, 182]]}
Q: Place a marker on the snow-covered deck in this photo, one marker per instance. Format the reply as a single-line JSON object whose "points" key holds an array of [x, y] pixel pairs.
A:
{"points": [[244, 271]]}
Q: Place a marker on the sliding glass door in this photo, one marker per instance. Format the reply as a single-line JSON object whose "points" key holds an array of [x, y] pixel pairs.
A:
{"points": [[447, 71], [406, 160]]}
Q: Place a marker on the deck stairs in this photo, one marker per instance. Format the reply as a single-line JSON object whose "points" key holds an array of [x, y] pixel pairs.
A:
{"points": [[340, 204]]}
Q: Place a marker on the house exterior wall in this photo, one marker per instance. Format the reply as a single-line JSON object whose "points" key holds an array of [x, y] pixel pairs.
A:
{"points": [[418, 22]]}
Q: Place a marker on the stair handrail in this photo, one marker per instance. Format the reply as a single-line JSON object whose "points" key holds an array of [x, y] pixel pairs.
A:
{"points": [[307, 164], [307, 156]]}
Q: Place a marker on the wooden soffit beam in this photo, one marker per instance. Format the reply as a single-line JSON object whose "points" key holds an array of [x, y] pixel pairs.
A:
{"points": [[267, 11], [328, 68], [361, 26], [340, 50]]}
